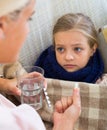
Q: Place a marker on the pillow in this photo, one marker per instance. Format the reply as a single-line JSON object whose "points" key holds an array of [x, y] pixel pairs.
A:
{"points": [[93, 100]]}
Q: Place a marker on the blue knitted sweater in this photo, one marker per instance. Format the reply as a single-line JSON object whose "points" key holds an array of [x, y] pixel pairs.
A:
{"points": [[90, 73]]}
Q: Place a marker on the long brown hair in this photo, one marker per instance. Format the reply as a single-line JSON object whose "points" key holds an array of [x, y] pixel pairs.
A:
{"points": [[79, 22]]}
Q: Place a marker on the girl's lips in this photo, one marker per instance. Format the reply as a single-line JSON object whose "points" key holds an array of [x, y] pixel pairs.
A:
{"points": [[69, 66]]}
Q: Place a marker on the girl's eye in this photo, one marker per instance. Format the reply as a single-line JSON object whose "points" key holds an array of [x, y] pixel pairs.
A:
{"points": [[60, 49], [78, 49]]}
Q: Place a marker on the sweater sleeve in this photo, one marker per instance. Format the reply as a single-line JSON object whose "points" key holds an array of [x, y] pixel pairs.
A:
{"points": [[22, 117]]}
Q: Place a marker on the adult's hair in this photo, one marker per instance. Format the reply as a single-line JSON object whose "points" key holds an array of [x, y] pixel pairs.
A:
{"points": [[79, 22], [12, 8]]}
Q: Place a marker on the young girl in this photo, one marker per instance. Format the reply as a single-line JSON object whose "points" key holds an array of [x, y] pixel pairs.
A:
{"points": [[74, 55]]}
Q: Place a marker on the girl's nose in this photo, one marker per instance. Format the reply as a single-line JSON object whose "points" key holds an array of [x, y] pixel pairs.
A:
{"points": [[69, 56]]}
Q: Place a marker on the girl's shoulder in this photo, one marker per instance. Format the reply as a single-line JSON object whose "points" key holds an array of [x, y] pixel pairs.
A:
{"points": [[102, 80]]}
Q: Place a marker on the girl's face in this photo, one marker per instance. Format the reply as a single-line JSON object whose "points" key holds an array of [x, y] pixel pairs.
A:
{"points": [[15, 32], [72, 50]]}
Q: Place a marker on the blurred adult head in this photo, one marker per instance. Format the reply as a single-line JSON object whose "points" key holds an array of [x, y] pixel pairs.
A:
{"points": [[14, 16]]}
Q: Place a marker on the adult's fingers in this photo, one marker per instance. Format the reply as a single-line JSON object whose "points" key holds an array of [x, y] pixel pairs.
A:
{"points": [[58, 107], [76, 98], [63, 104]]}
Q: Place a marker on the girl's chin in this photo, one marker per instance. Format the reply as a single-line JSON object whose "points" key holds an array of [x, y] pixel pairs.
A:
{"points": [[71, 70]]}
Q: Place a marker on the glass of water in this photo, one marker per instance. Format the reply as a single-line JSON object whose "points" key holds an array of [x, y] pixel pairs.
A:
{"points": [[31, 84]]}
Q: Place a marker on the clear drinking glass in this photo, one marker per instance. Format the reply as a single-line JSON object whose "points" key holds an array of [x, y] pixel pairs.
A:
{"points": [[31, 84]]}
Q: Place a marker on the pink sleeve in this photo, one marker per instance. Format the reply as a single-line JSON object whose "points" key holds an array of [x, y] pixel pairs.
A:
{"points": [[22, 117], [102, 80]]}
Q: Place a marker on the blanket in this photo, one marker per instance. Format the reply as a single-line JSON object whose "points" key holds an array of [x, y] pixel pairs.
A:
{"points": [[93, 101]]}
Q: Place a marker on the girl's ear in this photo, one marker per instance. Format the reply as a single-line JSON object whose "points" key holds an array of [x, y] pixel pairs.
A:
{"points": [[94, 49]]}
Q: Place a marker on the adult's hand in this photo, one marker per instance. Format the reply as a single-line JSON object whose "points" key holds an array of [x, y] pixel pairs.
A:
{"points": [[9, 86], [67, 111]]}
